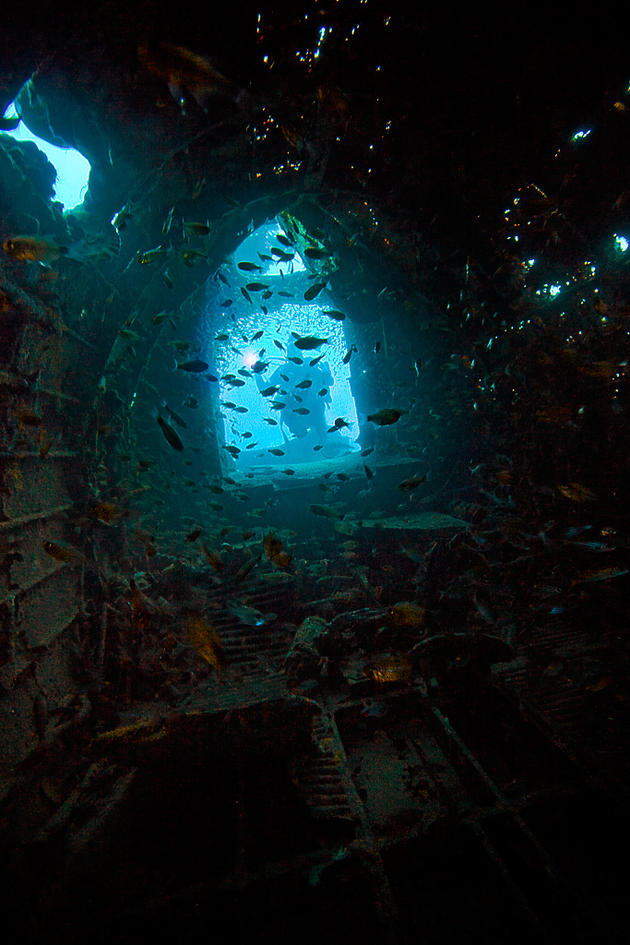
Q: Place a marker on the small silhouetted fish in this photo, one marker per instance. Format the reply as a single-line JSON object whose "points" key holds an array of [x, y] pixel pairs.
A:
{"points": [[313, 291], [386, 416], [326, 511], [195, 366], [246, 293], [308, 342], [334, 313], [339, 424], [407, 485], [170, 434], [168, 222], [249, 615], [249, 267], [196, 229]]}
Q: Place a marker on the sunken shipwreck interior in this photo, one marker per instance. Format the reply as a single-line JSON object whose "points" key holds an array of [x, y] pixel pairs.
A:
{"points": [[314, 461]]}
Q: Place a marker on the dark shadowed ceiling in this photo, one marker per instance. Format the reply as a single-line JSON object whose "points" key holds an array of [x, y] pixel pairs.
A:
{"points": [[476, 103]]}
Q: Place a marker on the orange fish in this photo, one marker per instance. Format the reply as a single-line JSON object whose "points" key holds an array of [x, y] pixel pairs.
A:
{"points": [[185, 72], [212, 557], [389, 669], [406, 614], [33, 249], [206, 641], [577, 492], [275, 552], [108, 512], [62, 552]]}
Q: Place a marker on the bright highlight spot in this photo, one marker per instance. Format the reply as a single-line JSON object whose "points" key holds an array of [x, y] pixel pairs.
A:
{"points": [[581, 134], [621, 243]]}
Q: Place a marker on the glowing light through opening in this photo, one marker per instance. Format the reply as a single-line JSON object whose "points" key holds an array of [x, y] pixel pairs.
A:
{"points": [[278, 325], [257, 335], [250, 358], [262, 242], [72, 168]]}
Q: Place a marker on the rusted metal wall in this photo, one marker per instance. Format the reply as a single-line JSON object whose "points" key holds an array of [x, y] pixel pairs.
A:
{"points": [[44, 465]]}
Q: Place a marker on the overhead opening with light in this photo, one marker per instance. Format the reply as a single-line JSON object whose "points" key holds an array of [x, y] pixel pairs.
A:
{"points": [[257, 431], [73, 169]]}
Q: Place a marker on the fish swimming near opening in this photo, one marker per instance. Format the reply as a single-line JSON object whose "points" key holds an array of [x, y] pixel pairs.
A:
{"points": [[34, 249], [195, 229], [313, 291], [386, 417], [249, 267], [60, 551], [195, 366], [249, 616], [308, 342], [170, 435], [206, 641], [187, 73]]}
